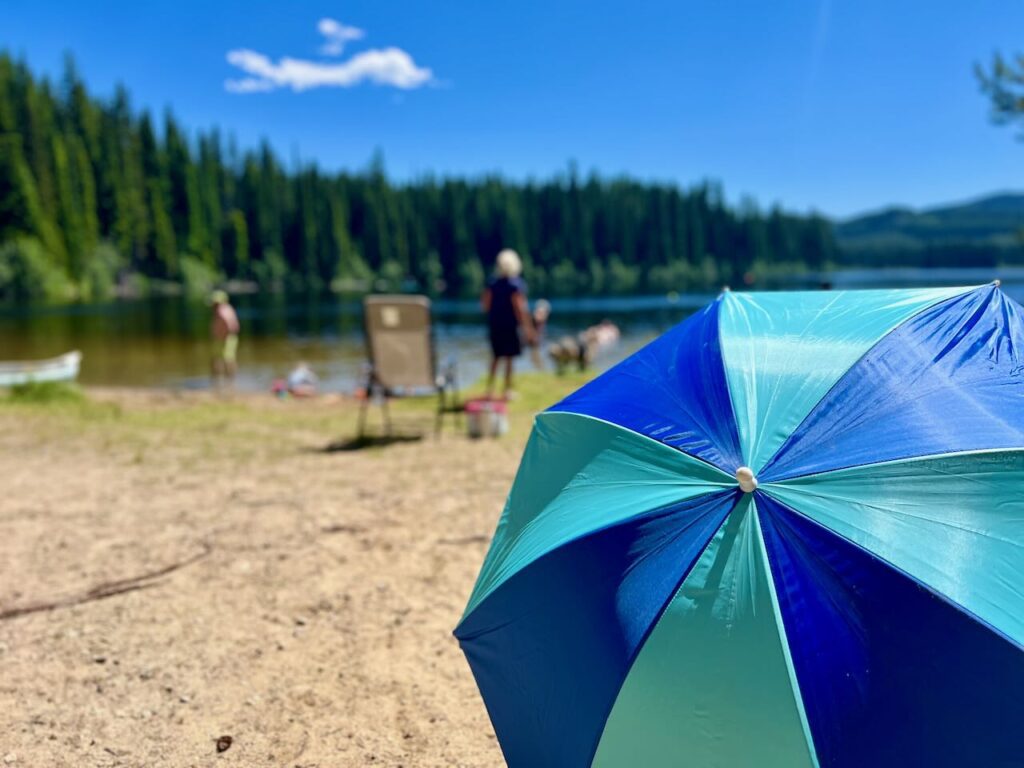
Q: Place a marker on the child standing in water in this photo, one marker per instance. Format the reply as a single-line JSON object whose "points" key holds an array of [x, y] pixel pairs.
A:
{"points": [[504, 302], [224, 327]]}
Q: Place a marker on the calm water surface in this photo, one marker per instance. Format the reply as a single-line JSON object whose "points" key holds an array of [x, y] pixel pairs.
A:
{"points": [[163, 342]]}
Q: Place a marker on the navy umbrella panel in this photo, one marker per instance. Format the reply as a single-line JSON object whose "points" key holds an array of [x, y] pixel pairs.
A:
{"points": [[786, 533]]}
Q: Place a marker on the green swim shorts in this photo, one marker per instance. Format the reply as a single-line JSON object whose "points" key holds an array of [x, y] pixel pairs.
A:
{"points": [[229, 351]]}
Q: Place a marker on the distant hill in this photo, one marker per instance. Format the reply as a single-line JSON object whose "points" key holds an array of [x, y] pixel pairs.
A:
{"points": [[986, 230]]}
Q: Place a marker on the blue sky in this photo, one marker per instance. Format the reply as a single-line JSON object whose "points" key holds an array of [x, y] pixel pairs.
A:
{"points": [[836, 106]]}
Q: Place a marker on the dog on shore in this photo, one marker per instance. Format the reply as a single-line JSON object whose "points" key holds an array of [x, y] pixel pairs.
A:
{"points": [[581, 350]]}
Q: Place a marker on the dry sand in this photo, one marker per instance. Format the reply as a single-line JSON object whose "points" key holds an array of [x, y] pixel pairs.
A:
{"points": [[217, 573]]}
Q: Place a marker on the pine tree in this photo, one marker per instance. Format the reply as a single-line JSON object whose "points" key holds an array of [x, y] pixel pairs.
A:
{"points": [[77, 173], [17, 191]]}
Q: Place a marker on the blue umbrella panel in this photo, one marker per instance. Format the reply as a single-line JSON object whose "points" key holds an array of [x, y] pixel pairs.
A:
{"points": [[786, 533]]}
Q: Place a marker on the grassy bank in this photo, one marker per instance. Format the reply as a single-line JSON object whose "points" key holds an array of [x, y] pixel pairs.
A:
{"points": [[233, 421]]}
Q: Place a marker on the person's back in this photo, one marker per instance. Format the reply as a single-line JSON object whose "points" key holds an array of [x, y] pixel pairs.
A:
{"points": [[501, 316], [504, 301]]}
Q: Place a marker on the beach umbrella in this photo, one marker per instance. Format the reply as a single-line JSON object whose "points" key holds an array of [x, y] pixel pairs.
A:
{"points": [[789, 532]]}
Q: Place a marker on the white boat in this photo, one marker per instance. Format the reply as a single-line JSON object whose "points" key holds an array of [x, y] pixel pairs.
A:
{"points": [[62, 368]]}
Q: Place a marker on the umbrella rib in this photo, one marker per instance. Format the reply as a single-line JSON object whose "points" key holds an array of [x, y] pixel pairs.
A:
{"points": [[730, 480], [967, 289], [901, 460], [601, 529], [650, 630]]}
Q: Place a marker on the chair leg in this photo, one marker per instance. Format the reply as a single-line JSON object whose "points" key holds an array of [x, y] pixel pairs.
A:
{"points": [[459, 411], [442, 408], [369, 391], [361, 431], [439, 415], [386, 413]]}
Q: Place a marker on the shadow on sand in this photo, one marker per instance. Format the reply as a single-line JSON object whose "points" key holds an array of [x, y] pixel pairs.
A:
{"points": [[368, 441]]}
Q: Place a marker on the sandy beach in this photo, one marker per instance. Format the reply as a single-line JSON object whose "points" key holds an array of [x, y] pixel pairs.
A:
{"points": [[179, 568]]}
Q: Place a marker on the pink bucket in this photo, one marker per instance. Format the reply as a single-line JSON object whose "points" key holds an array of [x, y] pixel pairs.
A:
{"points": [[486, 418]]}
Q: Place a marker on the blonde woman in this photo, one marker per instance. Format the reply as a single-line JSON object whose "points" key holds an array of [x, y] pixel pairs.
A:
{"points": [[504, 303]]}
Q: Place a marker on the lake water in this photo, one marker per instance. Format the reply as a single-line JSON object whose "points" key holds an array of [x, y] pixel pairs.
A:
{"points": [[163, 342]]}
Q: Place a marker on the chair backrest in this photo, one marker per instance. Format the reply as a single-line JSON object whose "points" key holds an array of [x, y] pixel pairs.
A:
{"points": [[399, 341]]}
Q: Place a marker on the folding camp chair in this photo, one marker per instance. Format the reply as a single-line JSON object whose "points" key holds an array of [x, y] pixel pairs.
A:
{"points": [[402, 357]]}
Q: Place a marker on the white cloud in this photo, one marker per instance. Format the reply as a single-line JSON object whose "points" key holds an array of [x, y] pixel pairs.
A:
{"points": [[337, 35], [381, 66], [248, 85]]}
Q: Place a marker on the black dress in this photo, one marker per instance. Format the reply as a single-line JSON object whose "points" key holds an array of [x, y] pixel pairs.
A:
{"points": [[501, 319]]}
